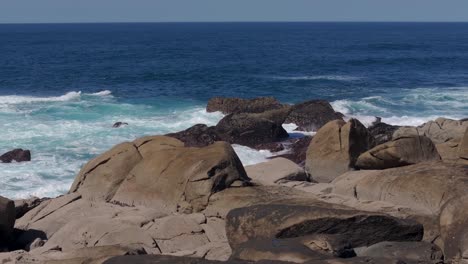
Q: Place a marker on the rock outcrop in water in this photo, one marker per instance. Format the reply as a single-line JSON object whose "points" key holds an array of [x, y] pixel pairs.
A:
{"points": [[160, 200], [18, 155]]}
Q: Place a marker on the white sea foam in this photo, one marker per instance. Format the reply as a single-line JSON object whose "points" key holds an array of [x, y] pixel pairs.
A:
{"points": [[249, 156], [102, 93], [16, 99]]}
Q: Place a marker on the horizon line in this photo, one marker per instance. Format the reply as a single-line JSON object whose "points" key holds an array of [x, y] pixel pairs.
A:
{"points": [[214, 22]]}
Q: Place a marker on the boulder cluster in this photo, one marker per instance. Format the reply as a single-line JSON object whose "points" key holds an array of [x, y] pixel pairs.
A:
{"points": [[349, 194]]}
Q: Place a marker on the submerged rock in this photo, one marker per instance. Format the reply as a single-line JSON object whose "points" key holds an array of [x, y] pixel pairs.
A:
{"points": [[119, 124], [18, 155]]}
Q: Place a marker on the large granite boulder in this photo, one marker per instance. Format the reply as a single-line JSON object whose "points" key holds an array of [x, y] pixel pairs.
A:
{"points": [[439, 131], [398, 152], [18, 155], [454, 229], [275, 170], [160, 171], [312, 115], [335, 149], [239, 105], [424, 187], [253, 129], [7, 220]]}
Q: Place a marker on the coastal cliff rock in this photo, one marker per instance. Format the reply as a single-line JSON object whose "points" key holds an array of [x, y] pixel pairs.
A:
{"points": [[398, 152], [275, 170], [335, 149], [239, 105], [18, 155], [312, 115], [7, 220]]}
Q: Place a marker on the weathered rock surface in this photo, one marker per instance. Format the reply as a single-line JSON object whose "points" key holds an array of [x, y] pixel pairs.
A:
{"points": [[18, 155], [335, 149], [239, 105], [160, 171], [275, 170], [320, 227], [7, 220], [398, 152], [439, 131], [454, 228], [424, 187], [463, 149], [382, 132], [312, 115], [418, 251], [23, 206]]}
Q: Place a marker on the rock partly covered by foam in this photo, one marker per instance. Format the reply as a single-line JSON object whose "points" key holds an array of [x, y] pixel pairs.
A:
{"points": [[18, 155], [160, 171], [7, 220], [296, 149], [312, 115], [398, 152], [239, 105], [335, 149]]}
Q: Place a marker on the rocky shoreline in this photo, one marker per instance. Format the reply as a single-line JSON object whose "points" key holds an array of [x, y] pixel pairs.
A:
{"points": [[348, 194]]}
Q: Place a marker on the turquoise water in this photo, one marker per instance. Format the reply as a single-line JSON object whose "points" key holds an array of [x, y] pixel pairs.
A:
{"points": [[63, 86]]}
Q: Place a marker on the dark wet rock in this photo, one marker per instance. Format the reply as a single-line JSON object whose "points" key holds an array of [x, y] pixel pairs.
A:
{"points": [[7, 220], [18, 155], [272, 146], [199, 135], [119, 124], [253, 129], [382, 132], [318, 228], [312, 115], [239, 105]]}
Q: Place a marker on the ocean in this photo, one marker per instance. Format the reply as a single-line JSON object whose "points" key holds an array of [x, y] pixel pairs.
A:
{"points": [[62, 86]]}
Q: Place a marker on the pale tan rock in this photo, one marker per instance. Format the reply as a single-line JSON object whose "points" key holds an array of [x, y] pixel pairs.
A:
{"points": [[398, 152], [463, 148], [335, 149], [176, 176], [275, 170], [439, 131], [100, 177], [215, 229]]}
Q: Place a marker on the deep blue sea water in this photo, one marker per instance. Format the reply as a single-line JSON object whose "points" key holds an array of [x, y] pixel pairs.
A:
{"points": [[62, 86]]}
